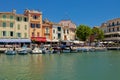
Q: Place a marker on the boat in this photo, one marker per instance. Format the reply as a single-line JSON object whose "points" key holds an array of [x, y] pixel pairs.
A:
{"points": [[66, 49], [48, 50], [56, 50], [23, 51], [36, 50], [10, 52]]}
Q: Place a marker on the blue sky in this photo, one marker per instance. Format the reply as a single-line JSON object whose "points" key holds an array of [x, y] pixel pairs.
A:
{"points": [[88, 12]]}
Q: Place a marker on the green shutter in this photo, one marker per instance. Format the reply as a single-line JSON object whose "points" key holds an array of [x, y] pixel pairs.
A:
{"points": [[0, 33], [8, 32]]}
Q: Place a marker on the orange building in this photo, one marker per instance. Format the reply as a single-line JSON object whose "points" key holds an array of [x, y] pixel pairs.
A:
{"points": [[47, 29], [35, 20]]}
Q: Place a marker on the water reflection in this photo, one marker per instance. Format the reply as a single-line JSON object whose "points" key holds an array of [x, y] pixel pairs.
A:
{"points": [[79, 66]]}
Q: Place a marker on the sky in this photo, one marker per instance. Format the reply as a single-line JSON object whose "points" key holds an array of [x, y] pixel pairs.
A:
{"points": [[87, 12]]}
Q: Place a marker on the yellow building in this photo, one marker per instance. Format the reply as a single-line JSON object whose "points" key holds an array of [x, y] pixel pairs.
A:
{"points": [[14, 27], [7, 24], [22, 26]]}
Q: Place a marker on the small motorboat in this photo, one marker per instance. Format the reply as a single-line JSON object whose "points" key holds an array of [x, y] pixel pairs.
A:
{"points": [[23, 51], [48, 50], [10, 52], [66, 50], [36, 51]]}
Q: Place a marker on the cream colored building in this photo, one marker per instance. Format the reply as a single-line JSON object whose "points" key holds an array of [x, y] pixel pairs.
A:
{"points": [[68, 29], [14, 28], [57, 31], [13, 25], [111, 29], [22, 26], [7, 24]]}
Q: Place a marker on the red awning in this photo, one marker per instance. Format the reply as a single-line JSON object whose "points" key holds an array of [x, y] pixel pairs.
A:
{"points": [[38, 39]]}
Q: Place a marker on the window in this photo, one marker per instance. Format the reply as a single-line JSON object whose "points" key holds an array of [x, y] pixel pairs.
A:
{"points": [[25, 27], [59, 28], [35, 17], [59, 36], [38, 34], [18, 27], [113, 29], [11, 25], [4, 33], [11, 17], [64, 31], [33, 34], [117, 22], [19, 18], [109, 30], [53, 31], [4, 16], [67, 31], [47, 30], [11, 33], [37, 25], [25, 19], [117, 28], [25, 35], [113, 24], [19, 34], [4, 24], [32, 25]]}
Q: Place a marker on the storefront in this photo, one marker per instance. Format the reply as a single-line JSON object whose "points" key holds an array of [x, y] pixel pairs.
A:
{"points": [[14, 42]]}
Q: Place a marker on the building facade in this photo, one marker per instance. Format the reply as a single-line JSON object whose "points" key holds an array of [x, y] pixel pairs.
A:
{"points": [[112, 30], [13, 25], [68, 29], [57, 31], [14, 28], [22, 27], [7, 25], [35, 22], [47, 29]]}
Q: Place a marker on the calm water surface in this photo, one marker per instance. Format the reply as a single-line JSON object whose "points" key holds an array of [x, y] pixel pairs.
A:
{"points": [[75, 66]]}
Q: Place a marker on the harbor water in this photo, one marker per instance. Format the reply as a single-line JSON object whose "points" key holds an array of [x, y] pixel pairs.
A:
{"points": [[67, 66]]}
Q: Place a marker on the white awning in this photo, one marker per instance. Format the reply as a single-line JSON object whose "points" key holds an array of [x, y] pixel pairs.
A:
{"points": [[78, 42], [15, 40]]}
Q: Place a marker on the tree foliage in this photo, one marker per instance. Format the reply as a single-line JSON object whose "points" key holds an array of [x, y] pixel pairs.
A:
{"points": [[98, 33], [83, 32]]}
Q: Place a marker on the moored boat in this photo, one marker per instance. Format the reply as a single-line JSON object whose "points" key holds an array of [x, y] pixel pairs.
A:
{"points": [[36, 51], [10, 52], [23, 51]]}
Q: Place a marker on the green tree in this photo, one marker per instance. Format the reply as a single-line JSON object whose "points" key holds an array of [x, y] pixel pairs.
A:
{"points": [[83, 32], [98, 33]]}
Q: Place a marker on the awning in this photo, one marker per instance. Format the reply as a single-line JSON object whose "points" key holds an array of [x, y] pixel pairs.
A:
{"points": [[15, 40], [66, 41], [78, 41], [55, 40], [38, 39]]}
